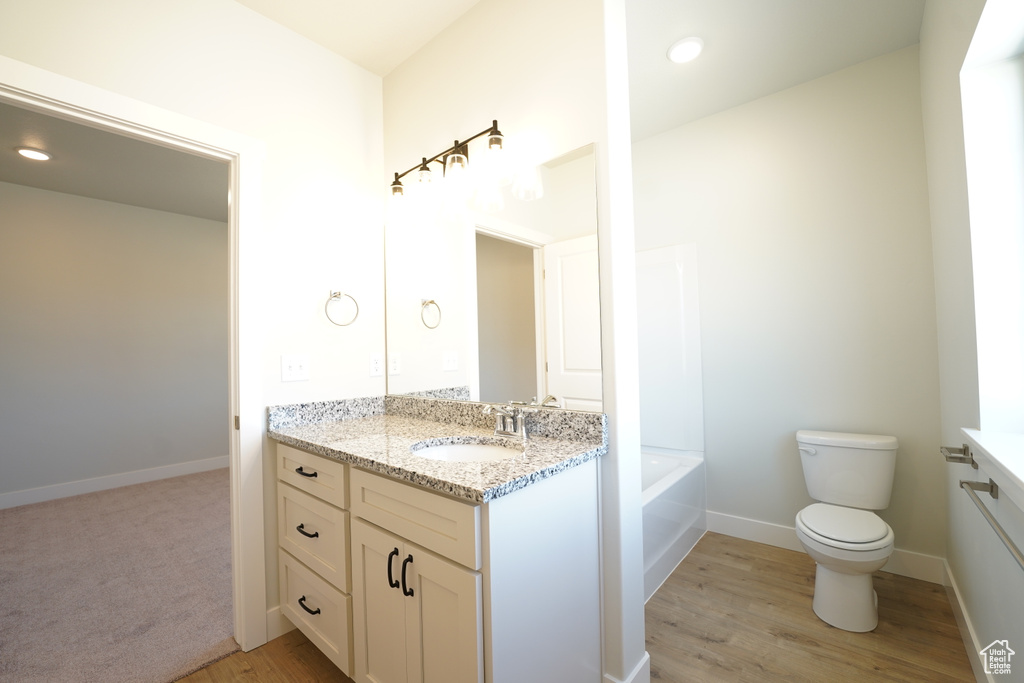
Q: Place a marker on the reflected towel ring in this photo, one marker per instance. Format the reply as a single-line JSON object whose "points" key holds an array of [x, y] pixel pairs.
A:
{"points": [[423, 310], [338, 296]]}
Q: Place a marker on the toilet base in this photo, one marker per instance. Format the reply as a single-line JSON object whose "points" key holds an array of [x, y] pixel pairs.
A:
{"points": [[846, 601]]}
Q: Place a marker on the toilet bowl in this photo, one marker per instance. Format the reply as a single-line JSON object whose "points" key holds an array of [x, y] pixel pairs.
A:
{"points": [[847, 545], [850, 475]]}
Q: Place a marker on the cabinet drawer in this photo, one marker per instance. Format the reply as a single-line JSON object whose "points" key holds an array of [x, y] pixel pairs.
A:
{"points": [[314, 474], [448, 527], [318, 609], [315, 533]]}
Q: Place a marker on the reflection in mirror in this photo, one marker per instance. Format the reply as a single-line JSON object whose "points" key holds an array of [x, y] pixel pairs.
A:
{"points": [[518, 290]]}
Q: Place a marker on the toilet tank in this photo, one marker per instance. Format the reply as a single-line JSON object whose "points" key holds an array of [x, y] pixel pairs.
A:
{"points": [[854, 470]]}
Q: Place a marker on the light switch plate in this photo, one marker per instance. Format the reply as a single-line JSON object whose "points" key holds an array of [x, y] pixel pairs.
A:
{"points": [[450, 361], [294, 367]]}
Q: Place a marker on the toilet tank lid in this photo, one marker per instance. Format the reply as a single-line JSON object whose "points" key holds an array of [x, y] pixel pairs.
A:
{"points": [[847, 440]]}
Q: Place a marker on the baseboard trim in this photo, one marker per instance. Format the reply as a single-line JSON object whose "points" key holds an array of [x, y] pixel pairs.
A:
{"points": [[75, 488], [967, 633], [640, 674], [277, 623], [902, 562]]}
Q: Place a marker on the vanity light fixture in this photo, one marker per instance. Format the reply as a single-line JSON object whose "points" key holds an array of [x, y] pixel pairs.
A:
{"points": [[34, 154], [453, 160], [685, 50]]}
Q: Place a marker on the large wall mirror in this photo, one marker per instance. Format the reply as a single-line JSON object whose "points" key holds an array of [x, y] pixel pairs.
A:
{"points": [[498, 306]]}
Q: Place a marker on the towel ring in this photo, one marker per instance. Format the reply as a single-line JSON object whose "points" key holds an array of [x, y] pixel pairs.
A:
{"points": [[338, 296], [423, 310]]}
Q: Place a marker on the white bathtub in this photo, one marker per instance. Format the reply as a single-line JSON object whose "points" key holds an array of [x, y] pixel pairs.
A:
{"points": [[674, 510]]}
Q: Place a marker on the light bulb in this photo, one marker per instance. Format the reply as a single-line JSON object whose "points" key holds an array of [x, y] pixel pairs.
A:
{"points": [[685, 50], [455, 164], [34, 154], [425, 174]]}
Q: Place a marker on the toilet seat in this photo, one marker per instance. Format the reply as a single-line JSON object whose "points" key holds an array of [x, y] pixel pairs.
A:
{"points": [[843, 527]]}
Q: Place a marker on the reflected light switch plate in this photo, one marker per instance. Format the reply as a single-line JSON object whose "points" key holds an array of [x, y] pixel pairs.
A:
{"points": [[450, 361]]}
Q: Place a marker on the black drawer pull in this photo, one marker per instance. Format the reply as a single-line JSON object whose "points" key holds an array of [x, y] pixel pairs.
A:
{"points": [[301, 529], [391, 579], [302, 604], [304, 473], [405, 585]]}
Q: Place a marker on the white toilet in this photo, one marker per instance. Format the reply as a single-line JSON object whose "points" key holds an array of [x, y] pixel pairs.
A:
{"points": [[851, 474]]}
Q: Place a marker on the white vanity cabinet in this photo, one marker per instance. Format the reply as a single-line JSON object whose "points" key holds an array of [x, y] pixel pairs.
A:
{"points": [[503, 592], [418, 612], [313, 554], [418, 616]]}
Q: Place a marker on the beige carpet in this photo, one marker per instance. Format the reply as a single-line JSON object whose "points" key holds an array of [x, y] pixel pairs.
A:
{"points": [[131, 584]]}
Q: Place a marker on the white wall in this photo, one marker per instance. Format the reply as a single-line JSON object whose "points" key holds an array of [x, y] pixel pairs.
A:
{"points": [[553, 74], [319, 116], [988, 584], [319, 120], [114, 338], [809, 211]]}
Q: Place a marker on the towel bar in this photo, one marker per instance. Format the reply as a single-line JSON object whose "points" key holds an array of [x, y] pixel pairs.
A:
{"points": [[970, 487]]}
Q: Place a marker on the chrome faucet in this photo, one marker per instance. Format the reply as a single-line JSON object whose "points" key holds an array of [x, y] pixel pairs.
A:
{"points": [[548, 402], [510, 420]]}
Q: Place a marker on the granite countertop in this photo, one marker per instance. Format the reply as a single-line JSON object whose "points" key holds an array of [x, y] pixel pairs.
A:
{"points": [[382, 443]]}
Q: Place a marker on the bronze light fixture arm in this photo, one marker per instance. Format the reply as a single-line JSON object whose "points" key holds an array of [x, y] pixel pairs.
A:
{"points": [[459, 146]]}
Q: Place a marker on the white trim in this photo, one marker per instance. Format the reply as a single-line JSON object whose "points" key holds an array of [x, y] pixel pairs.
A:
{"points": [[111, 481], [277, 623], [641, 674], [967, 632], [45, 91], [754, 530], [902, 562]]}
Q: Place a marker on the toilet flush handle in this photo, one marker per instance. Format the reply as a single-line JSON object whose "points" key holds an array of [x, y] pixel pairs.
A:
{"points": [[808, 451]]}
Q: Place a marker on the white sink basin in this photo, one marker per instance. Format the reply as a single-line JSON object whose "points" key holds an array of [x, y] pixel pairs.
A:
{"points": [[467, 452]]}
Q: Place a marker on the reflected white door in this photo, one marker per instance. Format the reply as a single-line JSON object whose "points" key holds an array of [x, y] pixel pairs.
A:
{"points": [[572, 329]]}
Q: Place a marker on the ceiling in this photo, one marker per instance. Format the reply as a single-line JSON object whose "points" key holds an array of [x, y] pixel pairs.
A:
{"points": [[95, 163], [377, 36], [752, 48]]}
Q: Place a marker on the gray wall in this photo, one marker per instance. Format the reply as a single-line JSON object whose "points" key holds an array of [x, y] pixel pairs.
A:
{"points": [[113, 338], [507, 326]]}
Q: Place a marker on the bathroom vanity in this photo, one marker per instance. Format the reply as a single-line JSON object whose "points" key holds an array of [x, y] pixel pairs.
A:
{"points": [[401, 567]]}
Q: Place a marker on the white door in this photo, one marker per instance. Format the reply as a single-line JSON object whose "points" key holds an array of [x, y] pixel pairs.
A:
{"points": [[572, 330]]}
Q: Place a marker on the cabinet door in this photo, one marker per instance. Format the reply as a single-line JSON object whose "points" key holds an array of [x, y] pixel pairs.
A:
{"points": [[444, 620], [379, 606]]}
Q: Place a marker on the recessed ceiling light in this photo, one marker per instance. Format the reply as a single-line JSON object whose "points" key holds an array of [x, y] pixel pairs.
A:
{"points": [[685, 50], [36, 154]]}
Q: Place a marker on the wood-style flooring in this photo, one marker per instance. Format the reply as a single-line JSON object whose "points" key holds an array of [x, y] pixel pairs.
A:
{"points": [[288, 659], [733, 611], [736, 610]]}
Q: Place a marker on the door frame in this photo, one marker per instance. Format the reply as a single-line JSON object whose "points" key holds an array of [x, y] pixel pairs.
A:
{"points": [[30, 87]]}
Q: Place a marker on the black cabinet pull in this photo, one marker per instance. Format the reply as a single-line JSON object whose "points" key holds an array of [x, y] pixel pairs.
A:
{"points": [[304, 473], [405, 585], [300, 528], [391, 579], [302, 604]]}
